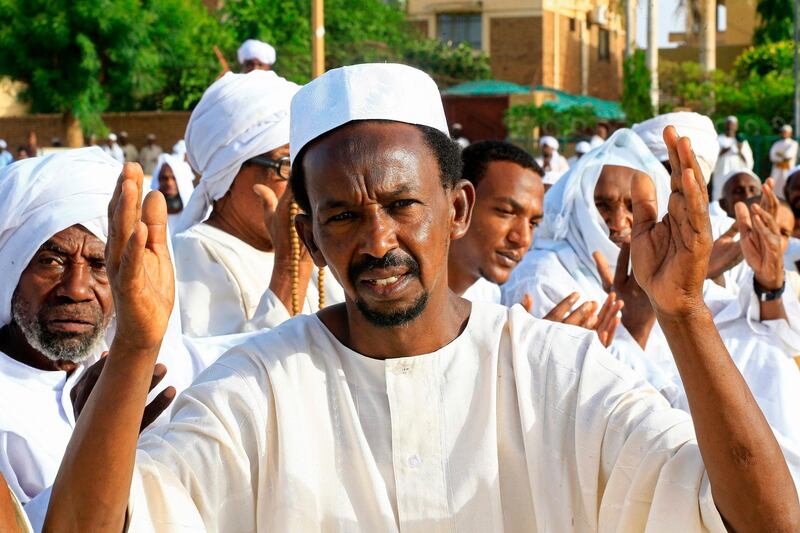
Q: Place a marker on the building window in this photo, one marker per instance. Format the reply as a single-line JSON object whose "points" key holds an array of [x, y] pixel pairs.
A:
{"points": [[571, 24], [722, 17], [459, 28], [604, 45]]}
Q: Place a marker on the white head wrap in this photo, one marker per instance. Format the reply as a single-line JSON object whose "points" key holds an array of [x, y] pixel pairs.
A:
{"points": [[786, 127], [239, 117], [582, 147], [183, 175], [697, 127], [731, 174], [3, 144], [179, 148], [569, 210], [374, 91], [45, 195], [547, 140], [255, 49], [732, 118]]}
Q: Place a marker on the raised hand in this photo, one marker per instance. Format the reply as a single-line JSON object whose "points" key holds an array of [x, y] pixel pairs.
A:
{"points": [[138, 262], [604, 322], [638, 316], [670, 257], [726, 253], [761, 238]]}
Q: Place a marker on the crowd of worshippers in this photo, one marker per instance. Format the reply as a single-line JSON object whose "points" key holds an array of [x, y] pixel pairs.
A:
{"points": [[351, 323]]}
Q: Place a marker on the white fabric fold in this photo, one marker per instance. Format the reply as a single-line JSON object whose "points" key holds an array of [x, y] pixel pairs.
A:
{"points": [[181, 170]]}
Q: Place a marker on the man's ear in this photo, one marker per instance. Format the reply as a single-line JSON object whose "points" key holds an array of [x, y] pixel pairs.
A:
{"points": [[305, 230], [462, 198]]}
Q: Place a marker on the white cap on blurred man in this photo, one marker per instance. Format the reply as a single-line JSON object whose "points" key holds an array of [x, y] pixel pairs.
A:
{"points": [[256, 55]]}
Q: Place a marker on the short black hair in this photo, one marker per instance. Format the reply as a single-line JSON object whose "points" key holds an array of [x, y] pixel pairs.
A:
{"points": [[440, 144], [477, 156]]}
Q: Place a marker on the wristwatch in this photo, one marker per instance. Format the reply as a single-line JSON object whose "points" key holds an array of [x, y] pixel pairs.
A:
{"points": [[768, 296]]}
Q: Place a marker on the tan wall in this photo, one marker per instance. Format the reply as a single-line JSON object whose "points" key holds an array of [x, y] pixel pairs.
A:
{"points": [[516, 44], [570, 55], [168, 126], [726, 55]]}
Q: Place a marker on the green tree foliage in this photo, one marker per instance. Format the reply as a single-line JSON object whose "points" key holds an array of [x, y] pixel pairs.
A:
{"points": [[636, 88], [522, 119], [761, 60], [775, 21], [75, 56]]}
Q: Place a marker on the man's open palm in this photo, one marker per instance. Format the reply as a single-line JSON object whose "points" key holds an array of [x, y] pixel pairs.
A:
{"points": [[670, 257]]}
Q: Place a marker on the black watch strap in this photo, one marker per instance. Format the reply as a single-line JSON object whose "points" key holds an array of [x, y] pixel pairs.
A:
{"points": [[766, 295]]}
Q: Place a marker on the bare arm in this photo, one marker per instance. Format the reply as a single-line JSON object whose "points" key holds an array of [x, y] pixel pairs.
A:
{"points": [[93, 484], [750, 481]]}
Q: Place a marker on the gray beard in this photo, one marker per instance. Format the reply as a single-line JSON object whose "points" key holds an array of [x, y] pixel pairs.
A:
{"points": [[55, 346]]}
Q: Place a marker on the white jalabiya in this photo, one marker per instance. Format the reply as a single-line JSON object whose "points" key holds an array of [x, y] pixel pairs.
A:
{"points": [[783, 156], [183, 178], [516, 425], [223, 284], [738, 157], [556, 168], [239, 117], [44, 196], [483, 291]]}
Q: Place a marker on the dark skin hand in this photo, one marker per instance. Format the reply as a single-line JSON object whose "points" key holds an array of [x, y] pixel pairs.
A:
{"points": [[586, 316], [10, 521], [638, 316], [750, 481], [725, 254]]}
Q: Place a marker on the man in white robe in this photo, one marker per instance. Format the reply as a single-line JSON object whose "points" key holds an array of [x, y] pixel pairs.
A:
{"points": [[406, 408], [783, 156], [734, 154], [56, 308], [233, 271], [173, 177], [508, 206], [553, 163]]}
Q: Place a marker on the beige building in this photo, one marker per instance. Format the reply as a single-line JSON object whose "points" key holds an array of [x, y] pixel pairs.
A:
{"points": [[736, 23], [576, 46]]}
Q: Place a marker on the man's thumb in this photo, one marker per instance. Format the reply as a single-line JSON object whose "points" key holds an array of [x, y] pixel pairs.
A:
{"points": [[267, 196]]}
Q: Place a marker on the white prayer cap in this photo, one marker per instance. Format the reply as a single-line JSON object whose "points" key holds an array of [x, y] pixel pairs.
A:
{"points": [[239, 117], [550, 141], [45, 195], [179, 148], [3, 144], [569, 210], [786, 127], [583, 147], [254, 49], [372, 91], [697, 127], [182, 172], [726, 178], [112, 137], [732, 118]]}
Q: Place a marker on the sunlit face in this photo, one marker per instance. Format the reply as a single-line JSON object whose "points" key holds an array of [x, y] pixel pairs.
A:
{"points": [[63, 299], [739, 188], [166, 182], [380, 218], [612, 197], [547, 150], [508, 207]]}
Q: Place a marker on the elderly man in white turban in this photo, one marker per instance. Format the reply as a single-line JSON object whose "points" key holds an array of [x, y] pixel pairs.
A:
{"points": [[56, 308], [783, 156], [255, 55], [734, 154], [173, 177], [553, 163], [407, 408], [233, 270]]}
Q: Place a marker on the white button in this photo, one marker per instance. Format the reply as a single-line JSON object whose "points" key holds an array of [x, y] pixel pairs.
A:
{"points": [[414, 461]]}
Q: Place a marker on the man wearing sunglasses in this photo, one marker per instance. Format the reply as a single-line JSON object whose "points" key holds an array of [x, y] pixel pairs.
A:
{"points": [[232, 245]]}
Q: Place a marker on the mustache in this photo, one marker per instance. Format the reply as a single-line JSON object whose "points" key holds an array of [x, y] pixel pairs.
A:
{"points": [[391, 259], [84, 313]]}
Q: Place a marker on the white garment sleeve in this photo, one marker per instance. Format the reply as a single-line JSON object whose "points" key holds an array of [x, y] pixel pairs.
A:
{"points": [[270, 313], [201, 471], [773, 154]]}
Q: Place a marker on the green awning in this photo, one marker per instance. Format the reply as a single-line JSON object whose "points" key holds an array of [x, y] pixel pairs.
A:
{"points": [[486, 88], [606, 109]]}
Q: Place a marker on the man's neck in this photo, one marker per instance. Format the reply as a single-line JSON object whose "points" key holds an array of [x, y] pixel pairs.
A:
{"points": [[439, 324], [230, 222], [458, 276], [14, 344]]}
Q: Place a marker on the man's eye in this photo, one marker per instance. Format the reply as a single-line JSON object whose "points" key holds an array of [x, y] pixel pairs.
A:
{"points": [[504, 212], [50, 261], [99, 265], [402, 203], [535, 223], [341, 216]]}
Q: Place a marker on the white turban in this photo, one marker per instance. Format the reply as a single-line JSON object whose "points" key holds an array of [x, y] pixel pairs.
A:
{"points": [[547, 140], [569, 210], [239, 117], [179, 148], [582, 147], [731, 174], [697, 127], [45, 195], [254, 49], [183, 175], [373, 91]]}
